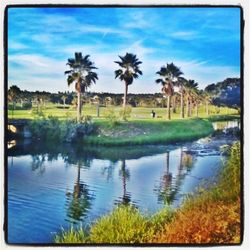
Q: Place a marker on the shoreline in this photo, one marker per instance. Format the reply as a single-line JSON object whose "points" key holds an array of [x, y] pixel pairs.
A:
{"points": [[146, 132]]}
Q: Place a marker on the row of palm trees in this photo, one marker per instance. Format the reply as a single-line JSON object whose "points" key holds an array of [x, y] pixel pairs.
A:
{"points": [[82, 74]]}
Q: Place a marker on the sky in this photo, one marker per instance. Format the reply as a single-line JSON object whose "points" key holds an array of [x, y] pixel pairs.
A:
{"points": [[203, 42]]}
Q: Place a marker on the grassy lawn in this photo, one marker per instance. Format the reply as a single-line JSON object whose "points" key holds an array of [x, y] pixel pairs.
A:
{"points": [[137, 113], [140, 128]]}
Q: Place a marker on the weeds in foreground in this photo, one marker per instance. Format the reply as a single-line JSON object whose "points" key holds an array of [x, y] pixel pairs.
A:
{"points": [[212, 216]]}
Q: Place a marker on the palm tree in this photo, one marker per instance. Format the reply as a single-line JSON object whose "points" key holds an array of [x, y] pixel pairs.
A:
{"points": [[129, 71], [82, 75], [207, 98], [180, 89], [191, 93], [170, 75]]}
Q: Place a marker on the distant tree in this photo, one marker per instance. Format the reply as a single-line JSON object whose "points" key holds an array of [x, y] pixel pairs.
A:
{"points": [[13, 94], [169, 76], [129, 71], [64, 97], [82, 75]]}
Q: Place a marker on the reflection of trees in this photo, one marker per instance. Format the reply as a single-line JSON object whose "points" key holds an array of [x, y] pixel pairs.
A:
{"points": [[165, 189], [124, 173], [37, 163], [169, 185], [108, 171], [79, 202]]}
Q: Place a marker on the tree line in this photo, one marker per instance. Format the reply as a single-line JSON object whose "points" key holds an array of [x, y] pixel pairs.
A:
{"points": [[176, 91]]}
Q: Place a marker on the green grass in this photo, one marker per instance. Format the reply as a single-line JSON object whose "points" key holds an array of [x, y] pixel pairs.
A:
{"points": [[150, 132], [125, 224], [138, 113], [140, 127]]}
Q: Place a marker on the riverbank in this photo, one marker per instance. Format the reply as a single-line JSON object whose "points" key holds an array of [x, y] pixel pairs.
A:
{"points": [[210, 216], [121, 133], [149, 132]]}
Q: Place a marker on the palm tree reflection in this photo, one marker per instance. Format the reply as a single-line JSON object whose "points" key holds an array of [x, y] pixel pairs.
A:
{"points": [[79, 202], [38, 164], [170, 184], [124, 173]]}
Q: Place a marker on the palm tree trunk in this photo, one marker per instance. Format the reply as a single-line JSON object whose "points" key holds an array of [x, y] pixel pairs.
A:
{"points": [[168, 108], [188, 108], [125, 96], [182, 106], [196, 109], [167, 162], [79, 106], [174, 104]]}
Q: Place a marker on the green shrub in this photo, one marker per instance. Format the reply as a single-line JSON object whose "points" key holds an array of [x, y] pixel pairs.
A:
{"points": [[72, 236], [53, 129], [111, 116], [124, 225], [125, 113]]}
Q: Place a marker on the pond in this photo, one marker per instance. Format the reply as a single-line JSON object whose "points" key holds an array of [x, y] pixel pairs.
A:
{"points": [[54, 186]]}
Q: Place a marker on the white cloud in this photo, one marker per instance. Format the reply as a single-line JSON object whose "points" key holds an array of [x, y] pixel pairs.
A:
{"points": [[36, 72], [16, 45]]}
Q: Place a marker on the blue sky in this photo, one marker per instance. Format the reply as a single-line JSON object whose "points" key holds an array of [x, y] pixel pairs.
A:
{"points": [[203, 42]]}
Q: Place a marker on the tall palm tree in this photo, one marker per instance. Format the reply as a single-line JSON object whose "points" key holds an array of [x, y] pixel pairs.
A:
{"points": [[82, 75], [207, 97], [128, 72], [169, 76], [181, 90], [191, 93]]}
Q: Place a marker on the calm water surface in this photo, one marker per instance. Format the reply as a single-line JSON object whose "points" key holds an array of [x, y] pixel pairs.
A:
{"points": [[54, 186]]}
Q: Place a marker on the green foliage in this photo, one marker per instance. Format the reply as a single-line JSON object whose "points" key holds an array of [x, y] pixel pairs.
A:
{"points": [[54, 129], [111, 116], [125, 224], [230, 175], [72, 236], [125, 113], [38, 112], [150, 131]]}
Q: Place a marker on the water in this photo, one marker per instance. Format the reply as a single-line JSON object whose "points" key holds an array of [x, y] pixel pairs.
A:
{"points": [[54, 186]]}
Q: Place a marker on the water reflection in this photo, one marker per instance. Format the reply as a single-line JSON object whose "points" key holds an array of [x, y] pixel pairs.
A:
{"points": [[67, 184], [78, 201], [38, 164], [124, 174], [225, 125], [170, 184]]}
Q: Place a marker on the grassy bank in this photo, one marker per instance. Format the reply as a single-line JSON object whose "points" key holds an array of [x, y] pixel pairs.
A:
{"points": [[149, 132], [209, 216], [136, 132]]}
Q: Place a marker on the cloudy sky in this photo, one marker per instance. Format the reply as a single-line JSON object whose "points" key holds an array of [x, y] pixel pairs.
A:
{"points": [[203, 42]]}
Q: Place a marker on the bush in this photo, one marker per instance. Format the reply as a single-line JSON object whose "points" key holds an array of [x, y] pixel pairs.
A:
{"points": [[125, 224], [72, 236], [125, 113], [53, 129], [111, 116], [27, 105]]}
